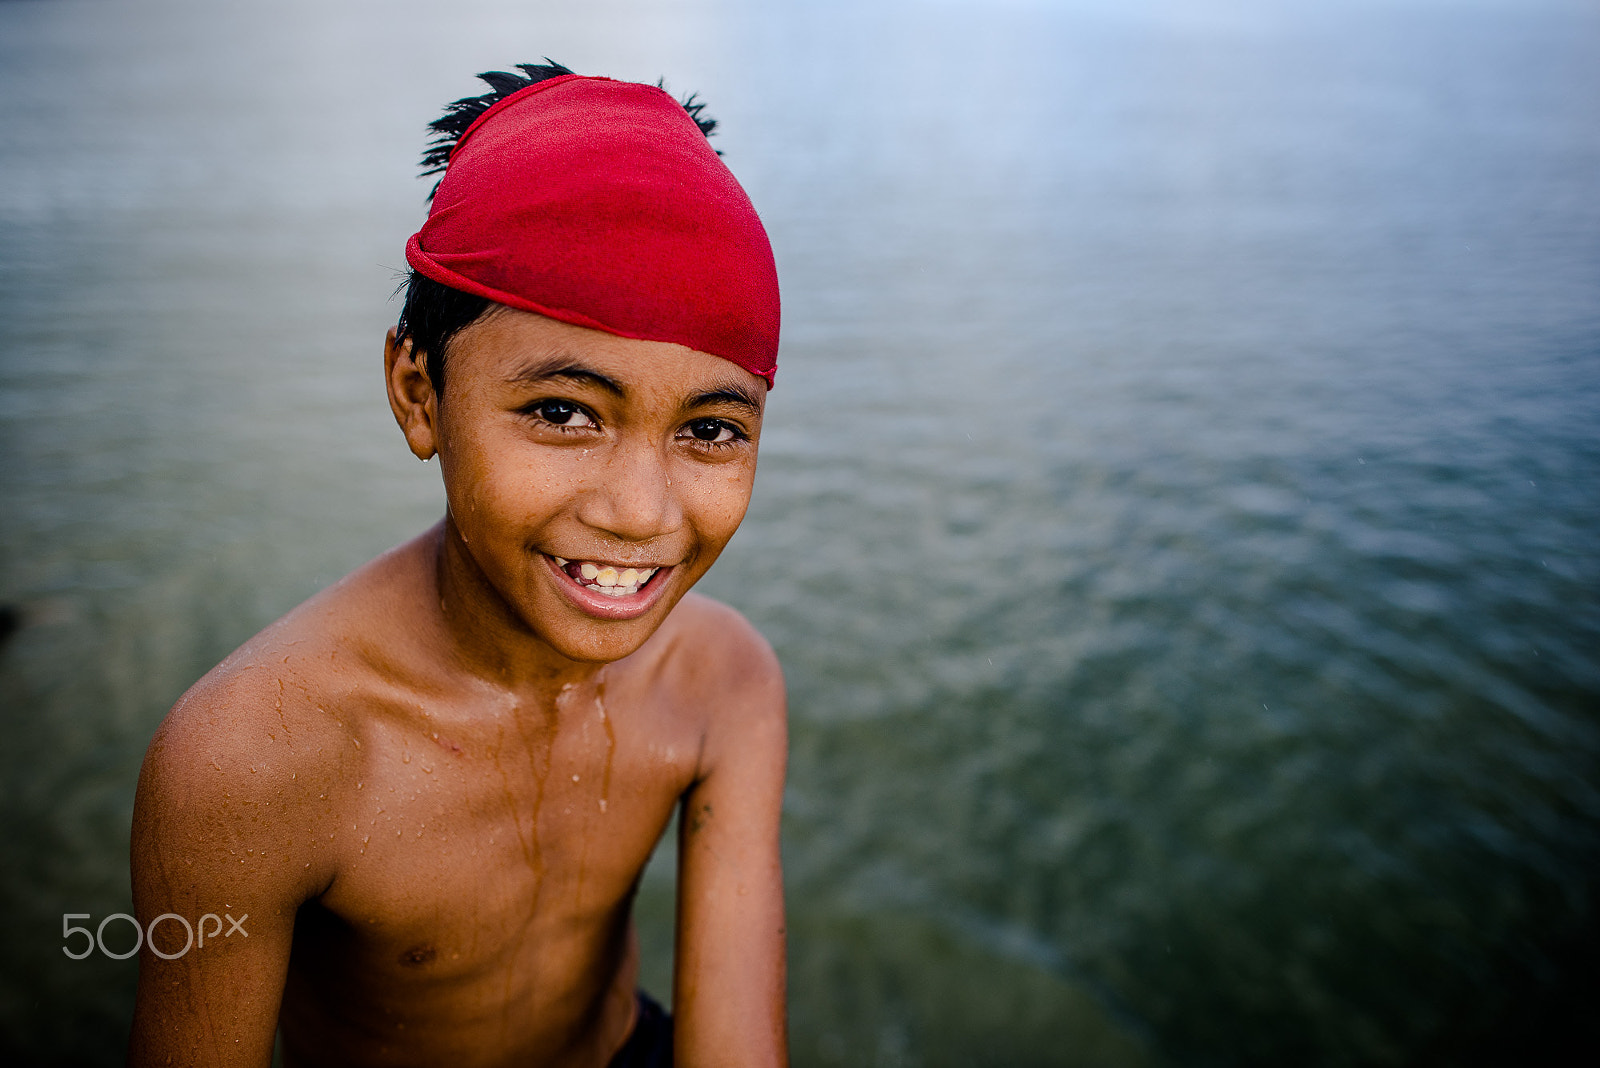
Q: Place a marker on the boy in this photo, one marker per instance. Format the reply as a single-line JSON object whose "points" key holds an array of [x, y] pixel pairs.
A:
{"points": [[427, 794]]}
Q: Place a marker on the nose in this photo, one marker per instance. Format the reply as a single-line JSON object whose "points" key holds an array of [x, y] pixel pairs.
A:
{"points": [[634, 499]]}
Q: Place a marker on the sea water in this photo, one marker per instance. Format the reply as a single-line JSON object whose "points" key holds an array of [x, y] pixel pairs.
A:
{"points": [[1177, 516]]}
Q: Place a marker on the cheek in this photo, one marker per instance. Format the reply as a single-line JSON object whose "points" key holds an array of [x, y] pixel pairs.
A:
{"points": [[718, 498], [505, 487]]}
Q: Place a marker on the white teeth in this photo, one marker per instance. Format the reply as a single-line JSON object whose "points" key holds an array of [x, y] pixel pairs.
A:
{"points": [[609, 579]]}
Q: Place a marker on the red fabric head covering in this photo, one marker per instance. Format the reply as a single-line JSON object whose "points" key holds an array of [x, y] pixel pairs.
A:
{"points": [[599, 203]]}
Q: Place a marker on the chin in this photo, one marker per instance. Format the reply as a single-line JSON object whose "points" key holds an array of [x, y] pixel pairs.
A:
{"points": [[602, 644]]}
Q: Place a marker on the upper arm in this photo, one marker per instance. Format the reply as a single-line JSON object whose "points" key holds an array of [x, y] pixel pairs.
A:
{"points": [[219, 830], [729, 982]]}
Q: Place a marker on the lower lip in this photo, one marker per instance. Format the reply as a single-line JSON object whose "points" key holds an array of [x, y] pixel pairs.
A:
{"points": [[604, 606]]}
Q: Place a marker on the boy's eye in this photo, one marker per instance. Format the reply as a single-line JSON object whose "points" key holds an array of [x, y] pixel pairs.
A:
{"points": [[562, 413], [714, 431]]}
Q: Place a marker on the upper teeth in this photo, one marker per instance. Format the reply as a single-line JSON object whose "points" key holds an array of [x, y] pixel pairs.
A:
{"points": [[608, 579]]}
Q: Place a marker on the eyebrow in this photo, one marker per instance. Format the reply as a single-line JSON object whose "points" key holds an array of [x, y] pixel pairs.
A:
{"points": [[736, 395], [564, 367], [536, 371]]}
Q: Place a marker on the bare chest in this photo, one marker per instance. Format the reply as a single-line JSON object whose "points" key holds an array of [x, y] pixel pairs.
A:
{"points": [[466, 844]]}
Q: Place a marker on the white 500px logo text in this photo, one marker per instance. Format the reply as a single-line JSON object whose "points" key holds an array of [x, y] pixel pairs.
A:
{"points": [[140, 934]]}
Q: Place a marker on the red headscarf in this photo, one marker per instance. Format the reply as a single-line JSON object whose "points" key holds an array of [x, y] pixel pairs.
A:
{"points": [[599, 203]]}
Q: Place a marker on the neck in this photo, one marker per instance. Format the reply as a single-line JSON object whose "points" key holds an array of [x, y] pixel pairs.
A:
{"points": [[487, 639]]}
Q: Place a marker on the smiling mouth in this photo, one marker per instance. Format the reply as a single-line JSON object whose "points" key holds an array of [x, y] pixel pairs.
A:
{"points": [[606, 579]]}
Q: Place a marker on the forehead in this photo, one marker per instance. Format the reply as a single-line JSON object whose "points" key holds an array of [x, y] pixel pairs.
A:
{"points": [[514, 348]]}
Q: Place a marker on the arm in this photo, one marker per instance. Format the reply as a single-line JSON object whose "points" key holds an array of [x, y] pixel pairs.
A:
{"points": [[728, 982], [219, 830]]}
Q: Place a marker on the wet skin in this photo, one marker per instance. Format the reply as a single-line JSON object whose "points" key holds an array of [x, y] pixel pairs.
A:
{"points": [[433, 786]]}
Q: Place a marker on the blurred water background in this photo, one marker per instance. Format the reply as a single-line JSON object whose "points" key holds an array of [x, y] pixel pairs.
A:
{"points": [[1179, 513]]}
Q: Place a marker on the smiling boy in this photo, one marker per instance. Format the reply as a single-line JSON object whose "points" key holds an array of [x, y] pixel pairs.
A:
{"points": [[433, 787]]}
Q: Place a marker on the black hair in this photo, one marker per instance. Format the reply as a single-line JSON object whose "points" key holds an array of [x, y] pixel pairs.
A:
{"points": [[433, 312]]}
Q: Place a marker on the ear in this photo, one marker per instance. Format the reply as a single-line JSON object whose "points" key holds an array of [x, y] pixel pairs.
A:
{"points": [[411, 396]]}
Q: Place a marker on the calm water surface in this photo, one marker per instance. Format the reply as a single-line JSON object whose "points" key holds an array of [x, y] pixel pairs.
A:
{"points": [[1178, 517]]}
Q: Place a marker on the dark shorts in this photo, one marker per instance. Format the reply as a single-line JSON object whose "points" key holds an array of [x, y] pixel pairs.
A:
{"points": [[650, 1045]]}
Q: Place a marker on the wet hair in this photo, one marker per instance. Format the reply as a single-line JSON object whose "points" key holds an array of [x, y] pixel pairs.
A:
{"points": [[434, 313]]}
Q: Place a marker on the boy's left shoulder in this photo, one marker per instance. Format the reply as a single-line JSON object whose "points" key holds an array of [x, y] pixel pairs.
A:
{"points": [[719, 662]]}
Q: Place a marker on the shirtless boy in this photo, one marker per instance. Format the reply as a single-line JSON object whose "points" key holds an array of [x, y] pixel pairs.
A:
{"points": [[432, 788]]}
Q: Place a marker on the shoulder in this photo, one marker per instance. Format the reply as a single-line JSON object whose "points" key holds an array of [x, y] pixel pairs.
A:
{"points": [[715, 650], [257, 713], [240, 768], [256, 755], [719, 664], [287, 701]]}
